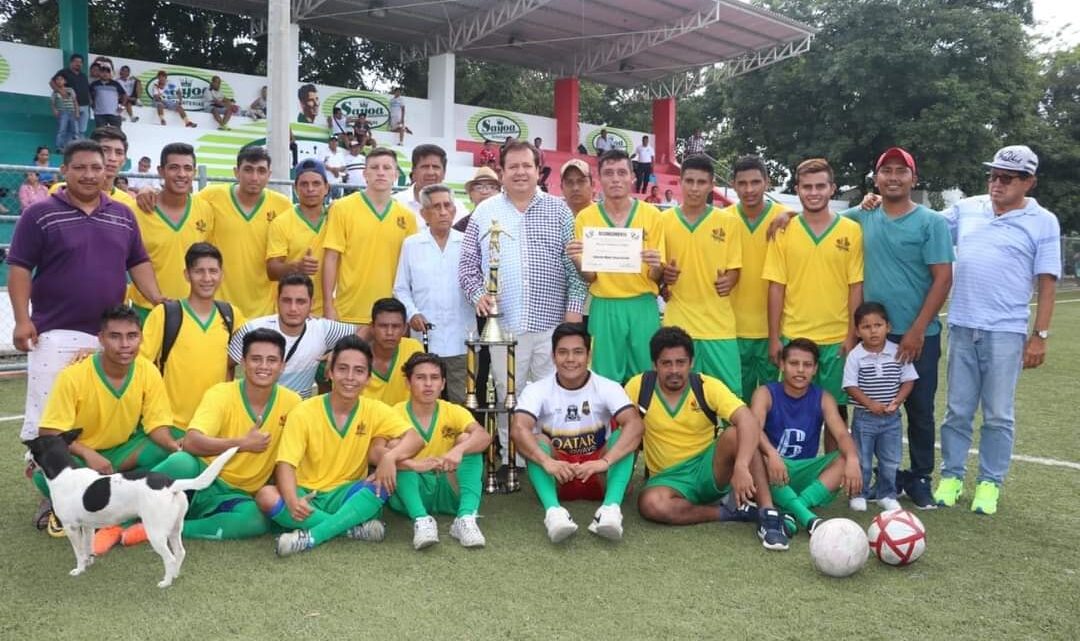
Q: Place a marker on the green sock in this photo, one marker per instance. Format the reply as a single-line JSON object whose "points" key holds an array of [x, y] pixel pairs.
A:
{"points": [[41, 484], [360, 507], [816, 494], [180, 465], [786, 499], [470, 479], [243, 521], [408, 491], [542, 482], [618, 475]]}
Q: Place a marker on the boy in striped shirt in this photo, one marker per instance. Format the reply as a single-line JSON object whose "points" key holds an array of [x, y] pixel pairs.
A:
{"points": [[878, 384]]}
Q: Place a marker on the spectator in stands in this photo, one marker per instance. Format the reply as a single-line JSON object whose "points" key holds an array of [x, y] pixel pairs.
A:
{"points": [[545, 171], [354, 167], [362, 131], [669, 198], [257, 108], [577, 184], [32, 191], [397, 116], [335, 163], [488, 156], [132, 86], [428, 168], [338, 124], [602, 143], [65, 108], [309, 104], [644, 157], [654, 196], [41, 159], [107, 96], [144, 168], [165, 96], [74, 78], [219, 106], [696, 144]]}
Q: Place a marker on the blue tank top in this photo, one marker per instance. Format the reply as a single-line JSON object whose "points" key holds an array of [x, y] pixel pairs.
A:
{"points": [[793, 425]]}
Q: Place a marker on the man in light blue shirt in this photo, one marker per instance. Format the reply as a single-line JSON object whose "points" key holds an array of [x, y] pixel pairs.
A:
{"points": [[1004, 242], [427, 283]]}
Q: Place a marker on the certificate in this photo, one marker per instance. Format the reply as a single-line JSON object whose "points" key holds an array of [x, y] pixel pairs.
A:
{"points": [[608, 249]]}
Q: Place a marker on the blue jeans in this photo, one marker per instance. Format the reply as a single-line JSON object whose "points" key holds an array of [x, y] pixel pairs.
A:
{"points": [[883, 436], [84, 121], [919, 406], [65, 129], [983, 367]]}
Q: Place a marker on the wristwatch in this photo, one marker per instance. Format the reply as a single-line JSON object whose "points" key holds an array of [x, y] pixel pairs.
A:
{"points": [[1042, 333]]}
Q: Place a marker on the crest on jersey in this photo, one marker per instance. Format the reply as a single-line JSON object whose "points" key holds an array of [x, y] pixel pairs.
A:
{"points": [[843, 244], [572, 413], [449, 432], [694, 406], [719, 235], [361, 429], [401, 222], [281, 421], [585, 408], [270, 216], [200, 226]]}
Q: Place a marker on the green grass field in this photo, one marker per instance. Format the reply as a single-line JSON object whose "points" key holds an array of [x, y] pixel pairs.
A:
{"points": [[1011, 576]]}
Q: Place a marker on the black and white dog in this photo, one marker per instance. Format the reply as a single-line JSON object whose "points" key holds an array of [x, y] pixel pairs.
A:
{"points": [[83, 500]]}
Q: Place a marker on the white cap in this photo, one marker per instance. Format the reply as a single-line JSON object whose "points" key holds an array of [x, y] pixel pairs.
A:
{"points": [[1015, 158]]}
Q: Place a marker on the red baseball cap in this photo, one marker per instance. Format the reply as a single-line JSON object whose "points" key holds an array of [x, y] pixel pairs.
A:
{"points": [[896, 152]]}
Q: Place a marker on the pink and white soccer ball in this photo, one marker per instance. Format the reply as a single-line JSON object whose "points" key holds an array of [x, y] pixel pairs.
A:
{"points": [[838, 547], [897, 537]]}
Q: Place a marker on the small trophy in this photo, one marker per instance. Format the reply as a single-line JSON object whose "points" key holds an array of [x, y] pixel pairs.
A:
{"points": [[492, 329]]}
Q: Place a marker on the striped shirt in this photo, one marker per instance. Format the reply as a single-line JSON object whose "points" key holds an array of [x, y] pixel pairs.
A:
{"points": [[538, 283], [319, 337], [997, 259], [878, 375]]}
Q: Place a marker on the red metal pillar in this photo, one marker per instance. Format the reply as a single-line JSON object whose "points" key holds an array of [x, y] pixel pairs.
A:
{"points": [[567, 96], [663, 117]]}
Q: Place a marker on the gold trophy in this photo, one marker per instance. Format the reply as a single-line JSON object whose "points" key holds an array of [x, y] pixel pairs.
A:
{"points": [[492, 329]]}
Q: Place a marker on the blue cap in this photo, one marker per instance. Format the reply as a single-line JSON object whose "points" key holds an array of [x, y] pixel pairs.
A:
{"points": [[310, 164]]}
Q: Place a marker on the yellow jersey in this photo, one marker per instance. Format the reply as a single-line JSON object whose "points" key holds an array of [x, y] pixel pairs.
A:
{"points": [[447, 423], [167, 242], [817, 272], [701, 251], [369, 242], [643, 216], [291, 235], [750, 298], [327, 455], [224, 413], [675, 434], [391, 387], [199, 358], [119, 195], [83, 397]]}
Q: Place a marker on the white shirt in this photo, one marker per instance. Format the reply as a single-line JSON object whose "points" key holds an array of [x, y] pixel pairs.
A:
{"points": [[354, 170], [644, 154], [602, 144], [318, 338], [427, 283], [139, 183], [337, 160], [405, 197], [578, 421]]}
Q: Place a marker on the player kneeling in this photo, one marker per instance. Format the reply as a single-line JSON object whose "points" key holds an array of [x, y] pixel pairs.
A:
{"points": [[693, 470], [562, 425], [446, 476]]}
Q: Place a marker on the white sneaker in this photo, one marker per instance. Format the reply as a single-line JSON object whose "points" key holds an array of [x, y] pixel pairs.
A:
{"points": [[607, 522], [372, 531], [888, 504], [559, 524], [425, 532], [467, 532], [857, 504]]}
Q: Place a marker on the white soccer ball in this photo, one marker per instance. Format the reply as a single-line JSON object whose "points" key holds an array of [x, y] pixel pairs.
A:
{"points": [[897, 537], [839, 548]]}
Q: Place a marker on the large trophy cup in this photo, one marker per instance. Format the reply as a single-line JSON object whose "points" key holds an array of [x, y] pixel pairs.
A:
{"points": [[494, 336]]}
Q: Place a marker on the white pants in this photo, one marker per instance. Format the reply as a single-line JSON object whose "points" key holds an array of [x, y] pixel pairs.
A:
{"points": [[54, 351], [532, 362]]}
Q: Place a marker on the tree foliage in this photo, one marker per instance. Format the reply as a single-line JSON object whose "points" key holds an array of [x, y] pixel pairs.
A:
{"points": [[1057, 138]]}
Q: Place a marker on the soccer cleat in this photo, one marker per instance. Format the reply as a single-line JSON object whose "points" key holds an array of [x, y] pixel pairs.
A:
{"points": [[918, 490], [373, 531], [559, 524], [771, 530], [986, 498], [133, 535], [857, 504], [948, 491], [813, 525], [55, 528], [607, 522], [425, 532], [293, 542], [467, 532], [888, 504], [729, 511], [106, 538]]}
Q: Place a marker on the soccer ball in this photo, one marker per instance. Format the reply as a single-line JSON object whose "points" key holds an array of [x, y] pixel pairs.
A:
{"points": [[897, 537], [838, 547]]}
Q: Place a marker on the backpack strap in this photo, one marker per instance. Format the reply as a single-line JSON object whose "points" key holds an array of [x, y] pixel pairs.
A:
{"points": [[226, 311], [697, 385], [174, 317], [645, 393]]}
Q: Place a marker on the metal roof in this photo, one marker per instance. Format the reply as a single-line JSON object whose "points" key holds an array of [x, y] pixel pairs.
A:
{"points": [[622, 43]]}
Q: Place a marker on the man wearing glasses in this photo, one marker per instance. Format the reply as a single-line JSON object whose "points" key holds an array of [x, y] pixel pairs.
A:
{"points": [[1005, 241]]}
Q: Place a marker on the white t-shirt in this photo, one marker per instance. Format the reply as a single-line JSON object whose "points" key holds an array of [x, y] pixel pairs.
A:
{"points": [[318, 338], [644, 154], [354, 170], [337, 160], [578, 422]]}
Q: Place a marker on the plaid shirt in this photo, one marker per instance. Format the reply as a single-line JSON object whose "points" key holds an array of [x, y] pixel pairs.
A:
{"points": [[695, 145], [538, 282]]}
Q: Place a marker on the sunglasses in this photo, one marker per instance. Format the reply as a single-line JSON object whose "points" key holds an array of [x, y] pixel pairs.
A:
{"points": [[1004, 179]]}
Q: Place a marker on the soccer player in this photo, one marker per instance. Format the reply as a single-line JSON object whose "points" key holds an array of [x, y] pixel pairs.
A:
{"points": [[793, 411], [815, 269], [249, 414], [114, 147], [322, 485], [562, 425], [390, 348], [363, 241], [691, 469], [623, 314], [703, 246], [198, 353], [295, 239], [449, 470], [750, 295]]}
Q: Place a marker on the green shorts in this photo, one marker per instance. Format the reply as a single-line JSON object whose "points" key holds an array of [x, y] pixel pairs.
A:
{"points": [[621, 329], [149, 455], [757, 369], [693, 478], [219, 497], [330, 501], [437, 493], [830, 372], [804, 471], [720, 359]]}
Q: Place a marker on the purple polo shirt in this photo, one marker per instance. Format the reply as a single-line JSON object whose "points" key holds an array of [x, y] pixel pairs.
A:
{"points": [[79, 262]]}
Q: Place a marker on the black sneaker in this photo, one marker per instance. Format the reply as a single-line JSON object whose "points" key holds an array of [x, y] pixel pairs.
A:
{"points": [[729, 511], [813, 525], [771, 530], [903, 477], [919, 491]]}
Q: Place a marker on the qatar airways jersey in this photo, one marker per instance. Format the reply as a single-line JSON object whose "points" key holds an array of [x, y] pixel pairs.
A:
{"points": [[578, 421]]}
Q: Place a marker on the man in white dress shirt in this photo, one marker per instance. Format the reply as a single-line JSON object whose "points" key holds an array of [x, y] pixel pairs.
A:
{"points": [[643, 154]]}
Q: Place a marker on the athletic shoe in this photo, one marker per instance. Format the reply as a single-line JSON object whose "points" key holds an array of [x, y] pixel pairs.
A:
{"points": [[607, 522], [729, 511], [771, 530], [373, 531], [106, 538], [41, 516], [467, 532], [133, 535], [948, 491], [425, 532], [55, 528], [888, 504], [857, 504], [813, 525], [903, 477], [986, 498], [293, 542], [918, 490], [559, 524]]}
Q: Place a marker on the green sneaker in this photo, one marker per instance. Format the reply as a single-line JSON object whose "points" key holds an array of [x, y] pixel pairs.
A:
{"points": [[948, 491], [986, 498]]}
